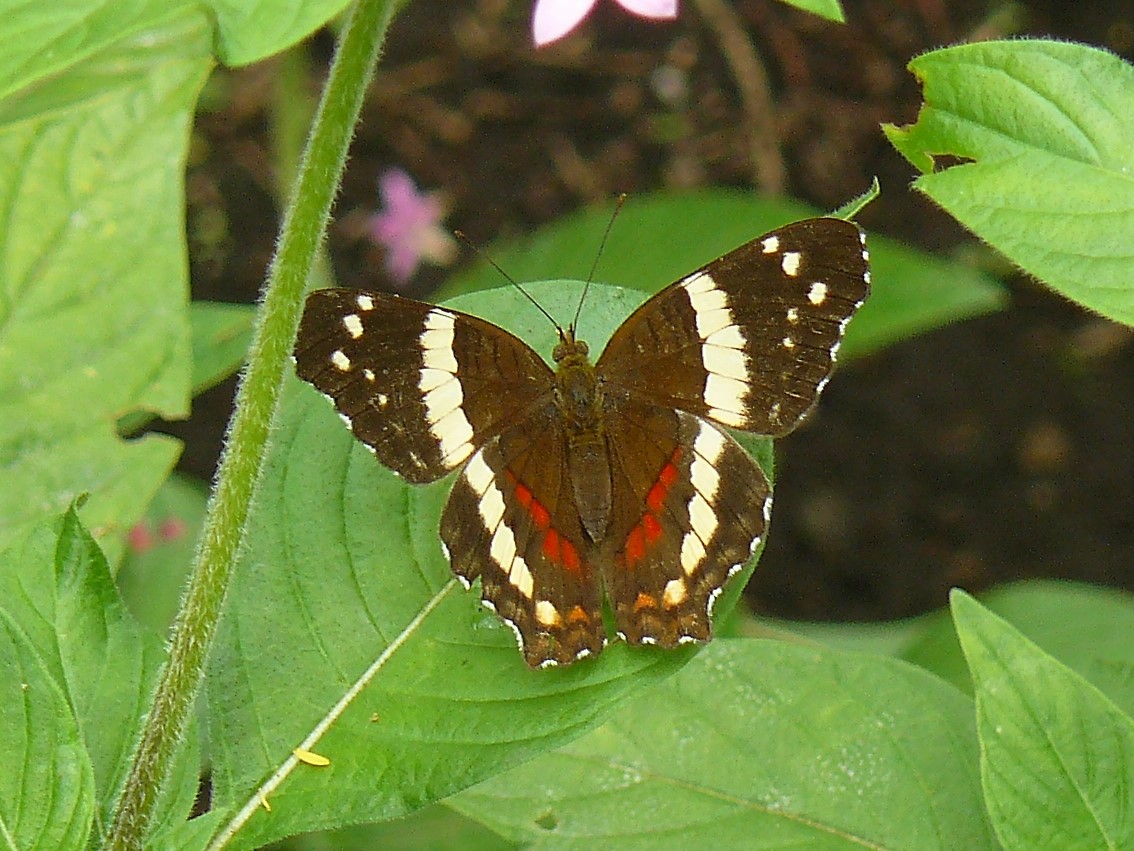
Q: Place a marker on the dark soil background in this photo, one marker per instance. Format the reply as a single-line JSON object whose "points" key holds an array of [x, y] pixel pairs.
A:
{"points": [[987, 451]]}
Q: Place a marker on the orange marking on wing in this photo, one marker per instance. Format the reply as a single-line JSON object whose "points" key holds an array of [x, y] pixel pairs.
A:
{"points": [[651, 527], [523, 495], [570, 555], [645, 601], [578, 614]]}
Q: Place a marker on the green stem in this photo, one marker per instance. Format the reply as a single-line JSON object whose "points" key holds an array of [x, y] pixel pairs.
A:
{"points": [[241, 463]]}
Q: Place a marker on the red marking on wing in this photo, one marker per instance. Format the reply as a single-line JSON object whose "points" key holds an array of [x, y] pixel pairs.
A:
{"points": [[556, 548], [635, 546], [652, 527], [649, 528], [552, 545], [570, 555], [540, 515]]}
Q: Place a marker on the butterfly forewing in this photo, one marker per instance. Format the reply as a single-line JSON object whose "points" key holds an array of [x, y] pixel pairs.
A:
{"points": [[419, 384], [748, 340]]}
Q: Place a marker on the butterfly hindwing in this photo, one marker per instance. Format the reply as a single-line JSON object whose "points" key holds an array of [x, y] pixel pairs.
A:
{"points": [[748, 340], [511, 521], [700, 508], [417, 383]]}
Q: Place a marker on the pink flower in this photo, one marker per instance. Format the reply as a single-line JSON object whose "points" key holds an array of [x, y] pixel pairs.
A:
{"points": [[140, 538], [553, 19], [409, 226]]}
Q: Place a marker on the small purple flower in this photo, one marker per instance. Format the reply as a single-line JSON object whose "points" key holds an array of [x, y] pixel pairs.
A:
{"points": [[553, 19], [409, 226]]}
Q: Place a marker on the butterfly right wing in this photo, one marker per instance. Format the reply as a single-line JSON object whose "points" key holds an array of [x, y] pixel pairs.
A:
{"points": [[511, 521], [749, 340], [421, 385]]}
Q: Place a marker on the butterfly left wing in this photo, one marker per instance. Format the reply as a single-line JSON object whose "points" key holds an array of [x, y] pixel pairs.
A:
{"points": [[421, 385], [511, 521], [748, 340], [692, 506]]}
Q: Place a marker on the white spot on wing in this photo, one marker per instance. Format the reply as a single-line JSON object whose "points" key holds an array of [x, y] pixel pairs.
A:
{"points": [[725, 393], [790, 263], [728, 337], [792, 315], [441, 389], [353, 325], [520, 576], [364, 302], [547, 614], [708, 447], [491, 508], [674, 593], [730, 363], [818, 293], [479, 475], [341, 361], [771, 244], [368, 374]]}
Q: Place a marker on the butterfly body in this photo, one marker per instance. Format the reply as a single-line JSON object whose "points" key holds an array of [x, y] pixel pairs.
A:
{"points": [[614, 477]]}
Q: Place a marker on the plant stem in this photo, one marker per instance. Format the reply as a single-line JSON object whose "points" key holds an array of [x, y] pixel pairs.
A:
{"points": [[243, 457]]}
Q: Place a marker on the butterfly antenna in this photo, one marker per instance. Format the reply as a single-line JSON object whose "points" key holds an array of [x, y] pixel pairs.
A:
{"points": [[590, 275], [461, 236]]}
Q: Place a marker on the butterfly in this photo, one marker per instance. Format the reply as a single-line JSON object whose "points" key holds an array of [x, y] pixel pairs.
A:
{"points": [[617, 477]]}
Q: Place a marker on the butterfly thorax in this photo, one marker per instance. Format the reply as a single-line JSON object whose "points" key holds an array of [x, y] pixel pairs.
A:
{"points": [[579, 399]]}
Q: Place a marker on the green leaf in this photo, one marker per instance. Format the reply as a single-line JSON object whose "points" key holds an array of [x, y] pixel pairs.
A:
{"points": [[832, 10], [250, 31], [1057, 757], [92, 302], [1052, 186], [758, 744], [1053, 615], [47, 790], [345, 634], [435, 828], [912, 292], [221, 333], [57, 588], [220, 336]]}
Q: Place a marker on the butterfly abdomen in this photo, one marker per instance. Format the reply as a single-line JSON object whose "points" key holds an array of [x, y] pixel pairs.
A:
{"points": [[578, 397]]}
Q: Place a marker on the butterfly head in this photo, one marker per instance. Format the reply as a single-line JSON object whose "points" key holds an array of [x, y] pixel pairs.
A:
{"points": [[569, 347]]}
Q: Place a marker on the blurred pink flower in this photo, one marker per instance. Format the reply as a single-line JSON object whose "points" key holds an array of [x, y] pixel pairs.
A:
{"points": [[172, 528], [140, 538], [409, 226], [553, 19]]}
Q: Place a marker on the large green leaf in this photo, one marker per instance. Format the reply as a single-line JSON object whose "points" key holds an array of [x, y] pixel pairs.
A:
{"points": [[1052, 186], [1085, 627], [47, 792], [1057, 756], [56, 586], [758, 744], [92, 305]]}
